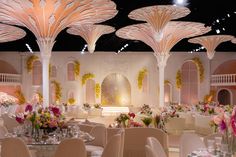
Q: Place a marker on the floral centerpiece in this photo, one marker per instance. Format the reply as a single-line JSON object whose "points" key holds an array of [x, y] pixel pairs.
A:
{"points": [[86, 107], [48, 118], [146, 109], [225, 123], [123, 119], [206, 108], [97, 106], [7, 100]]}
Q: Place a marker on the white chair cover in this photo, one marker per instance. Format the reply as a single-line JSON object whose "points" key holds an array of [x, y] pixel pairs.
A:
{"points": [[175, 125], [71, 148], [150, 152], [9, 123], [3, 132], [96, 147], [190, 142], [211, 137], [112, 148], [135, 140], [156, 147], [189, 120], [95, 112], [202, 124], [14, 147], [12, 109]]}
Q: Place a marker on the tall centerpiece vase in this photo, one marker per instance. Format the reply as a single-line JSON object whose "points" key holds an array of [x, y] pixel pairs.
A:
{"points": [[35, 133], [229, 144]]}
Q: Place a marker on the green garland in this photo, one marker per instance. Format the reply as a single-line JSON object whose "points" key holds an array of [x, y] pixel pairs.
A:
{"points": [[178, 79], [97, 90], [77, 69], [86, 77], [30, 61], [200, 68], [141, 76], [58, 93]]}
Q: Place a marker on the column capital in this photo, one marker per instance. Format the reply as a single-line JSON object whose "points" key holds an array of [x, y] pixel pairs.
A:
{"points": [[210, 54], [45, 46], [162, 58]]}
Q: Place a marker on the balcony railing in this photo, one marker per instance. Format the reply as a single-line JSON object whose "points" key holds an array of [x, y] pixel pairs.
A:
{"points": [[10, 78], [223, 80]]}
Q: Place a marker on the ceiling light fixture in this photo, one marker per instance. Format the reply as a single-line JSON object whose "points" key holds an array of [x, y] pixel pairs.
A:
{"points": [[29, 48], [180, 2]]}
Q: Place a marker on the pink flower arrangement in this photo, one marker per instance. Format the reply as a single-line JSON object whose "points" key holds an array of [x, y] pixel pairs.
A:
{"points": [[50, 117], [225, 123]]}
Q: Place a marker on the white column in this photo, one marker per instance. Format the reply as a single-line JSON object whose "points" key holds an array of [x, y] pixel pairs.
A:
{"points": [[45, 46], [161, 62], [45, 63]]}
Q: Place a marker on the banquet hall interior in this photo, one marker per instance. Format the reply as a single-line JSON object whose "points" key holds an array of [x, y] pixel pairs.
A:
{"points": [[117, 78]]}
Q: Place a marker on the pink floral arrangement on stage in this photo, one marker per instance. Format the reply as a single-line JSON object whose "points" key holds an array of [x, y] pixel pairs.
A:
{"points": [[44, 118]]}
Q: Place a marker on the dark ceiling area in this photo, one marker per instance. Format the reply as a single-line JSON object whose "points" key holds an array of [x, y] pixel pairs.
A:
{"points": [[219, 14]]}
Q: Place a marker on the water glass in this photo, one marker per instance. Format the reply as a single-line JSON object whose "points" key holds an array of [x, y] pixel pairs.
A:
{"points": [[211, 146]]}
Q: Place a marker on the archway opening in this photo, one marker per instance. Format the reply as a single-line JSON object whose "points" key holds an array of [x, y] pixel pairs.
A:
{"points": [[116, 90], [224, 97], [190, 81]]}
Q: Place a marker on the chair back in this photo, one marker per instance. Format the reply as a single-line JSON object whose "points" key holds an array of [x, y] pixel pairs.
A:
{"points": [[3, 131], [135, 140], [150, 152], [100, 134], [175, 125], [156, 146], [71, 148], [86, 127], [112, 148], [190, 142], [112, 131], [9, 123], [12, 147]]}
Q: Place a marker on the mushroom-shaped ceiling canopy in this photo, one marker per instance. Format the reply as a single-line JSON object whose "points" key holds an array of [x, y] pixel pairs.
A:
{"points": [[158, 16], [233, 40], [46, 18], [210, 42], [90, 33], [172, 34], [10, 33]]}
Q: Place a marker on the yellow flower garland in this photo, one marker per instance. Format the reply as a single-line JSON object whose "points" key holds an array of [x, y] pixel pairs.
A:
{"points": [[40, 97], [209, 97], [167, 82], [30, 61], [57, 90], [76, 68], [86, 77], [71, 101], [200, 68], [178, 80], [50, 70], [97, 90], [141, 75], [20, 96]]}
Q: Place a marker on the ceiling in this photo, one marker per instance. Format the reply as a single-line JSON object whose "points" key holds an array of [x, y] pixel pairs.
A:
{"points": [[205, 11]]}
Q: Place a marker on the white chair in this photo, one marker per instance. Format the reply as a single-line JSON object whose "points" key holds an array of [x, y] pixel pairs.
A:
{"points": [[135, 140], [175, 125], [190, 142], [14, 147], [112, 131], [9, 123], [96, 147], [3, 132], [202, 124], [150, 152], [189, 120], [156, 147], [71, 148], [112, 148]]}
